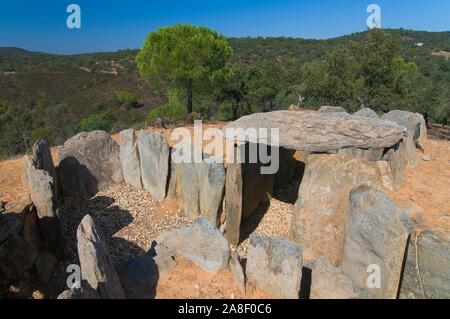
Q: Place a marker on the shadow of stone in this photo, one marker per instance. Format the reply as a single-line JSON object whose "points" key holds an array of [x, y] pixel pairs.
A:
{"points": [[75, 179], [305, 285], [109, 217], [249, 225], [287, 192], [139, 277]]}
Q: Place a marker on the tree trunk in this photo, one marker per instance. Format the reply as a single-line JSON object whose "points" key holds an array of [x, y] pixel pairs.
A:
{"points": [[189, 97]]}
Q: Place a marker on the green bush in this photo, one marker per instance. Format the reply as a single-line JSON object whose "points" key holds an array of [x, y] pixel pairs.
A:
{"points": [[104, 122], [174, 110], [225, 111], [128, 99]]}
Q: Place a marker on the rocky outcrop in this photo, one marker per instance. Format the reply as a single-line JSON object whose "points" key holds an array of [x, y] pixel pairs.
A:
{"points": [[318, 132], [320, 213], [375, 242], [97, 268], [89, 163], [154, 154], [414, 122], [129, 158], [331, 109], [366, 112], [427, 271], [275, 265], [199, 242]]}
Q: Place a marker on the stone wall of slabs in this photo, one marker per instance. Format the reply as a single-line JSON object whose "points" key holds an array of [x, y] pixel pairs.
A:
{"points": [[198, 187]]}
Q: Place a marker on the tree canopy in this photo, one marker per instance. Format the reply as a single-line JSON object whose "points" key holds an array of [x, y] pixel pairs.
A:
{"points": [[184, 56]]}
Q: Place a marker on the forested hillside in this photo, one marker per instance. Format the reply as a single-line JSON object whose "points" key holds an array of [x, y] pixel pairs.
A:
{"points": [[55, 96]]}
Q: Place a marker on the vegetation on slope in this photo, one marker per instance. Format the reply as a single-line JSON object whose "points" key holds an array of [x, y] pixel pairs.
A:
{"points": [[55, 96]]}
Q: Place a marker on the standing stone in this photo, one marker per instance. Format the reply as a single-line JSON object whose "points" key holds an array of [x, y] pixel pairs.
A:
{"points": [[42, 159], [319, 219], [414, 123], [410, 151], [427, 268], [97, 267], [43, 195], [237, 271], [154, 154], [366, 112], [328, 282], [233, 203], [377, 234], [246, 189], [332, 109], [88, 163], [189, 189], [211, 190], [200, 242], [199, 186], [129, 158], [275, 265], [397, 157]]}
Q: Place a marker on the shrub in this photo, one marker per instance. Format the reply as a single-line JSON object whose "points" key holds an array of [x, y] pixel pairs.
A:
{"points": [[128, 99], [104, 122], [174, 110]]}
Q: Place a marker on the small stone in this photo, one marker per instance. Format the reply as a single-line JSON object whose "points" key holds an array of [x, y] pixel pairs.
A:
{"points": [[426, 157]]}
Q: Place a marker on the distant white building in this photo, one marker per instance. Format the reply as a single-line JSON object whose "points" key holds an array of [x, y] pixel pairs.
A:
{"points": [[419, 44]]}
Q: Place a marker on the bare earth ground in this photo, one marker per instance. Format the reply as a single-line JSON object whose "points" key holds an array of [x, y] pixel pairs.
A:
{"points": [[131, 219]]}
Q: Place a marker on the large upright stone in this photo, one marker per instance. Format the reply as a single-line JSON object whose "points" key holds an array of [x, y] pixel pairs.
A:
{"points": [[320, 213], [317, 132], [414, 122], [200, 242], [198, 186], [154, 154], [129, 158], [397, 157], [211, 190], [42, 159], [366, 112], [97, 267], [89, 163], [246, 189], [41, 184], [375, 242], [275, 265], [427, 267]]}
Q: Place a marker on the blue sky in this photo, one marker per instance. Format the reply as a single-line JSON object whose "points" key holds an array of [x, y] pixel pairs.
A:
{"points": [[40, 25]]}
